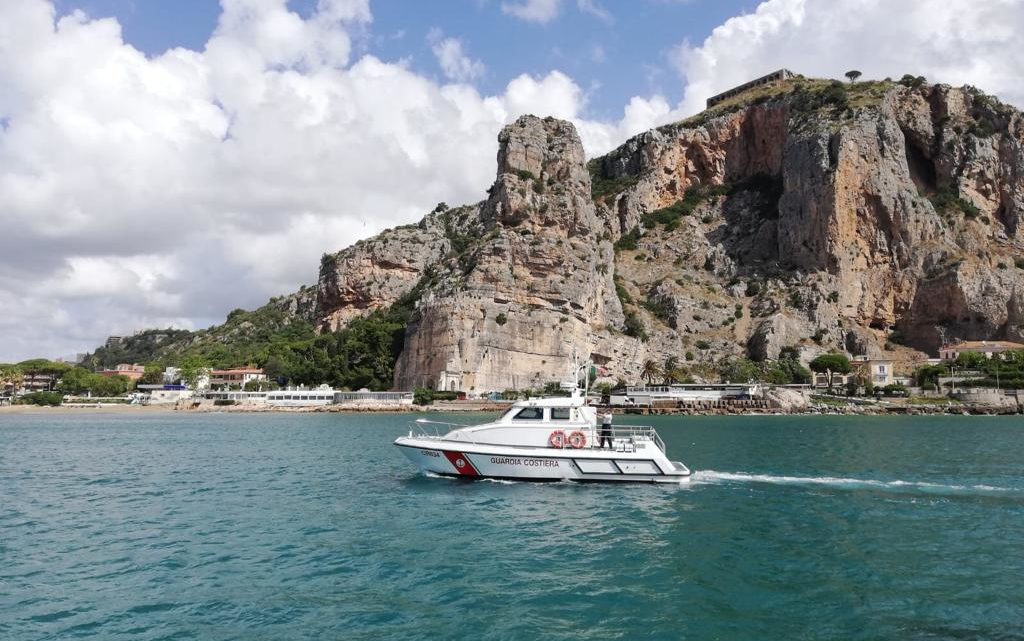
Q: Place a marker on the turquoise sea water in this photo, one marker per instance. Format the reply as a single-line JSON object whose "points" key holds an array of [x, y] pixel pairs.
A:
{"points": [[278, 526]]}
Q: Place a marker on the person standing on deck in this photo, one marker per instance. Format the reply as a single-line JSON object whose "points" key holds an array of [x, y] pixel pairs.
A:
{"points": [[606, 429]]}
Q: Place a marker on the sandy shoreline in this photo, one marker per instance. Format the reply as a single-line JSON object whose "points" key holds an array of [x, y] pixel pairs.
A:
{"points": [[61, 409]]}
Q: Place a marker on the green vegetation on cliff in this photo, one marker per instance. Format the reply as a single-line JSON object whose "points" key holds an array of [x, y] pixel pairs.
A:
{"points": [[363, 354]]}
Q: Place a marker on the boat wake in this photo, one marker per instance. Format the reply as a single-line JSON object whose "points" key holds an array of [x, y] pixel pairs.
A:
{"points": [[924, 487], [432, 475]]}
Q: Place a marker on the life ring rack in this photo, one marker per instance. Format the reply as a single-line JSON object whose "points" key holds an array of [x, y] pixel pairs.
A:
{"points": [[557, 439]]}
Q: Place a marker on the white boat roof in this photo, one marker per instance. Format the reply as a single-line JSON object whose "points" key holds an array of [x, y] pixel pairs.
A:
{"points": [[554, 401]]}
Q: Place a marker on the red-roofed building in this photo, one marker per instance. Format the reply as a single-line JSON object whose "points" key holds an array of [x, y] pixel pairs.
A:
{"points": [[986, 348], [133, 372], [239, 376]]}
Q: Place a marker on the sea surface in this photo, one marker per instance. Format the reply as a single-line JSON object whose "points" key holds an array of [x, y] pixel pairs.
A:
{"points": [[283, 526]]}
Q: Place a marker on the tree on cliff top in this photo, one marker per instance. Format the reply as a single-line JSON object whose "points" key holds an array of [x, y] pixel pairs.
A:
{"points": [[831, 364], [853, 74]]}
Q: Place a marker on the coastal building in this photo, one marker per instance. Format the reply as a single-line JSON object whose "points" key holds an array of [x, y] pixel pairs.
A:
{"points": [[838, 380], [449, 381], [775, 76], [685, 393], [238, 396], [301, 397], [133, 372], [113, 341], [988, 349], [366, 397], [236, 377], [877, 371], [313, 397], [37, 383], [163, 394]]}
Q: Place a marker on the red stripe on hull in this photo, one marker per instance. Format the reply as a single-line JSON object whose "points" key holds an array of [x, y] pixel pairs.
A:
{"points": [[461, 463]]}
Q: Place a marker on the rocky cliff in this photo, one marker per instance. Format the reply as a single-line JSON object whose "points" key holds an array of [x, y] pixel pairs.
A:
{"points": [[861, 217], [877, 218], [534, 289]]}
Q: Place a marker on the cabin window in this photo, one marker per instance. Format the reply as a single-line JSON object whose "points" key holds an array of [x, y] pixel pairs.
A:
{"points": [[559, 413], [529, 414]]}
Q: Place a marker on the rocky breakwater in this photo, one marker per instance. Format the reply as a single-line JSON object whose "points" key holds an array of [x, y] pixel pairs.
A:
{"points": [[533, 289]]}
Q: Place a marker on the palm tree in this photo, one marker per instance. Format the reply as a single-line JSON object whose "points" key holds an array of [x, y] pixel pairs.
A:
{"points": [[11, 376], [650, 371], [674, 373]]}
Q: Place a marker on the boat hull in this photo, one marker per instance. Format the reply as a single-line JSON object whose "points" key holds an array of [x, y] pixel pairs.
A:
{"points": [[480, 461]]}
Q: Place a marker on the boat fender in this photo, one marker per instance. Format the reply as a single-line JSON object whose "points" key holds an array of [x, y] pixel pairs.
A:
{"points": [[578, 439], [557, 439]]}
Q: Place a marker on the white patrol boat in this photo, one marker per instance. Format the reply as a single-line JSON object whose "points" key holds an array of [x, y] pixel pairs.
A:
{"points": [[545, 439]]}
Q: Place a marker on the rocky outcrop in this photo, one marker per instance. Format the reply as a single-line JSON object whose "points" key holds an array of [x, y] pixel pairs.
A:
{"points": [[374, 273], [537, 289], [877, 218], [301, 304]]}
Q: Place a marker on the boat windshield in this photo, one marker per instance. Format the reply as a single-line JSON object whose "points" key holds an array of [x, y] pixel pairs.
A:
{"points": [[529, 414]]}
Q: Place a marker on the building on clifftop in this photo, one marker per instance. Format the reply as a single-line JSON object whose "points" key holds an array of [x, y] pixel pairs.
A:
{"points": [[775, 76]]}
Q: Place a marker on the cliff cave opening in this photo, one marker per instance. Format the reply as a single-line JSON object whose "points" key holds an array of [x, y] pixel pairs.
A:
{"points": [[922, 168], [1008, 219]]}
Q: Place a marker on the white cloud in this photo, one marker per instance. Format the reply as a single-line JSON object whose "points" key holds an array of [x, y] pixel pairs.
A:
{"points": [[146, 191], [456, 65], [544, 11], [541, 11], [594, 8], [956, 41]]}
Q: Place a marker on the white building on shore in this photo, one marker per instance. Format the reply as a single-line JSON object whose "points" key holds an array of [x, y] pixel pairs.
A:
{"points": [[301, 397], [686, 393], [312, 397]]}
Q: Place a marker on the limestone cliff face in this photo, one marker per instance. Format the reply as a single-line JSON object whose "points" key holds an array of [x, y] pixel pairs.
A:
{"points": [[898, 214], [535, 290], [879, 218], [373, 274]]}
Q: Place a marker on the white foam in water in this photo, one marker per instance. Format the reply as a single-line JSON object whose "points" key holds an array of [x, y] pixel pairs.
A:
{"points": [[711, 476], [431, 475]]}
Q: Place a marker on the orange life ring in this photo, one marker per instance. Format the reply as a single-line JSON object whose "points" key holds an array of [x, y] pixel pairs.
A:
{"points": [[578, 439], [557, 439]]}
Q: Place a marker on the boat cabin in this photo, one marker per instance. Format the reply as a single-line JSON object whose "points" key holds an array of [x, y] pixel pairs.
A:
{"points": [[552, 411]]}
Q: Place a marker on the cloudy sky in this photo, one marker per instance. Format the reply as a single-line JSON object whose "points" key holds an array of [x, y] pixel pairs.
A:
{"points": [[162, 163]]}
